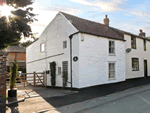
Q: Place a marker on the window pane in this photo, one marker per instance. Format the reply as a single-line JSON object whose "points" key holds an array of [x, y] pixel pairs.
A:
{"points": [[109, 43], [135, 64]]}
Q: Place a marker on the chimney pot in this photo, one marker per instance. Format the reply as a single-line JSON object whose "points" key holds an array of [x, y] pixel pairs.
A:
{"points": [[142, 34], [106, 21]]}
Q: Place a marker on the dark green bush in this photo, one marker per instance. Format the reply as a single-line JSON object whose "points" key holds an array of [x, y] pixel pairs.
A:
{"points": [[13, 76], [65, 78], [53, 73]]}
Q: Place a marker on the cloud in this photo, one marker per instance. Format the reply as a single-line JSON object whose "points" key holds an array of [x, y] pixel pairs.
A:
{"points": [[140, 13], [106, 6], [63, 9]]}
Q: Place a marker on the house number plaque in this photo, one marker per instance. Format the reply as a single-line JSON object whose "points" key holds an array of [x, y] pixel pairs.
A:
{"points": [[75, 58]]}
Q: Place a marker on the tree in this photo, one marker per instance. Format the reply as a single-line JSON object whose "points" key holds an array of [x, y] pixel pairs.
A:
{"points": [[16, 26], [13, 76], [148, 37]]}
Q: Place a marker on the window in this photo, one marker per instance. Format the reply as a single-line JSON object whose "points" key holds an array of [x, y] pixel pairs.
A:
{"points": [[133, 42], [64, 44], [135, 64], [42, 47], [59, 70], [111, 70], [144, 45], [111, 47], [65, 66]]}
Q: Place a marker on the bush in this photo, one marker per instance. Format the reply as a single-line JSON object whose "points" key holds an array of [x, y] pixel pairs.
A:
{"points": [[53, 73], [65, 78], [13, 76]]}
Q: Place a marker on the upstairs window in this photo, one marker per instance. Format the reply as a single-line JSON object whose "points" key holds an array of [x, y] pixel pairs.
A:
{"points": [[111, 47], [144, 45], [133, 42], [64, 44], [42, 47], [135, 64]]}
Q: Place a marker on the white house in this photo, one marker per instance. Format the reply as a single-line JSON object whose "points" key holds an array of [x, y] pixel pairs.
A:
{"points": [[91, 53]]}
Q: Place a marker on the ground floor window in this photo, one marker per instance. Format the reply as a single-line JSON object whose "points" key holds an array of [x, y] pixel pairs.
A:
{"points": [[135, 64], [111, 67]]}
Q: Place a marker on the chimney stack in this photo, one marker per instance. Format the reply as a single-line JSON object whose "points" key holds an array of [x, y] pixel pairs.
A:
{"points": [[142, 34], [106, 21]]}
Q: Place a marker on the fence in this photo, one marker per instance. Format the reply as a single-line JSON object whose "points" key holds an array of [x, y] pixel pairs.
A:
{"points": [[28, 79]]}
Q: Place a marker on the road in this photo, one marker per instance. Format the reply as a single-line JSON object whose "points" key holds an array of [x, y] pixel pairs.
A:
{"points": [[136, 100], [138, 103]]}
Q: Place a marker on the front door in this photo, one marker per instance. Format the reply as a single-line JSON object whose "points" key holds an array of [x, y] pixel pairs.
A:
{"points": [[145, 68]]}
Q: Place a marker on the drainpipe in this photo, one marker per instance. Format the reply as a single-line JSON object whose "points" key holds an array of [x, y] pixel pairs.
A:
{"points": [[71, 36], [71, 58]]}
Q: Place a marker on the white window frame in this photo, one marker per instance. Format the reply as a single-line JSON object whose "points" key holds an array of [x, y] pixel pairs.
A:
{"points": [[64, 44], [111, 47], [112, 70], [42, 45]]}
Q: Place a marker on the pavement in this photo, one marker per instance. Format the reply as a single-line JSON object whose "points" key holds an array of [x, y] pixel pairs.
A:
{"points": [[60, 100]]}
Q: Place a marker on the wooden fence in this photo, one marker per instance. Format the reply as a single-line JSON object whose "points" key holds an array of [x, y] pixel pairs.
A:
{"points": [[28, 79]]}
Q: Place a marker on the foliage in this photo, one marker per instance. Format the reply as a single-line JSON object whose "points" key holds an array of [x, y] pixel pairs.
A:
{"points": [[16, 26], [13, 76], [148, 37], [53, 73], [27, 43], [65, 78]]}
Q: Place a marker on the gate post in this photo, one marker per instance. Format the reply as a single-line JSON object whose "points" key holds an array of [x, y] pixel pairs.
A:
{"points": [[2, 81]]}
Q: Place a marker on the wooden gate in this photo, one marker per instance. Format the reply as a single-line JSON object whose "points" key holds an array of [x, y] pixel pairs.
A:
{"points": [[29, 79]]}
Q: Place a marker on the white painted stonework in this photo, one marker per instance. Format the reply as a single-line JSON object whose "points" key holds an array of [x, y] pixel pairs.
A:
{"points": [[94, 58], [92, 52], [137, 53]]}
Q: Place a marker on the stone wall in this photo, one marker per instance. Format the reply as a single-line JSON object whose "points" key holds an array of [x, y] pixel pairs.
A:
{"points": [[2, 80]]}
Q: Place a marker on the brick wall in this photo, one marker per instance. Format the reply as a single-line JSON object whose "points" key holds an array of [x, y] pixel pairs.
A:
{"points": [[2, 80], [19, 56]]}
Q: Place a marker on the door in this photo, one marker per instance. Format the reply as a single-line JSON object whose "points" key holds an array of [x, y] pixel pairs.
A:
{"points": [[145, 68]]}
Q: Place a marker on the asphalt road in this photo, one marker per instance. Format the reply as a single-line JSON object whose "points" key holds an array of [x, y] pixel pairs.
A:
{"points": [[96, 91], [138, 103]]}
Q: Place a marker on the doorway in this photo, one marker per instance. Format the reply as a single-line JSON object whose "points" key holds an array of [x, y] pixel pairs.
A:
{"points": [[145, 68]]}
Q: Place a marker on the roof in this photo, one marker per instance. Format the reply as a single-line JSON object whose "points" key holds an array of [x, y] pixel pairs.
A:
{"points": [[95, 28], [16, 49]]}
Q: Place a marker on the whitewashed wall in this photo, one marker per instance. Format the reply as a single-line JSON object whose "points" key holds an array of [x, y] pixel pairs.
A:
{"points": [[137, 53], [53, 39], [94, 58]]}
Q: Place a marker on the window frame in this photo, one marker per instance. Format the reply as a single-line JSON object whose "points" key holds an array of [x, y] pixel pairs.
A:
{"points": [[64, 46], [111, 47], [112, 70], [133, 42], [41, 47], [132, 63], [144, 45]]}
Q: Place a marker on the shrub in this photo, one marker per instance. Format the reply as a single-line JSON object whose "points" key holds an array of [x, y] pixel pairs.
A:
{"points": [[65, 78], [13, 76], [53, 73]]}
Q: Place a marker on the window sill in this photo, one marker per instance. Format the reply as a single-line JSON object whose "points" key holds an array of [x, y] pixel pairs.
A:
{"points": [[111, 79], [112, 54]]}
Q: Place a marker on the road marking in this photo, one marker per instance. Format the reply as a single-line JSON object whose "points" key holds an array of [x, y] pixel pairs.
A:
{"points": [[144, 99]]}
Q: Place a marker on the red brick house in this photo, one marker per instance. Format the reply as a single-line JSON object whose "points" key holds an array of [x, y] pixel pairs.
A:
{"points": [[18, 53]]}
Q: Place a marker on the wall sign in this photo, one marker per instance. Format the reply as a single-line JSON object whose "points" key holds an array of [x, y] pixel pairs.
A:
{"points": [[75, 58]]}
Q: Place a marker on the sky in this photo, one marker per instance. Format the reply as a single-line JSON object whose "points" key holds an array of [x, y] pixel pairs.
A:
{"points": [[127, 15]]}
